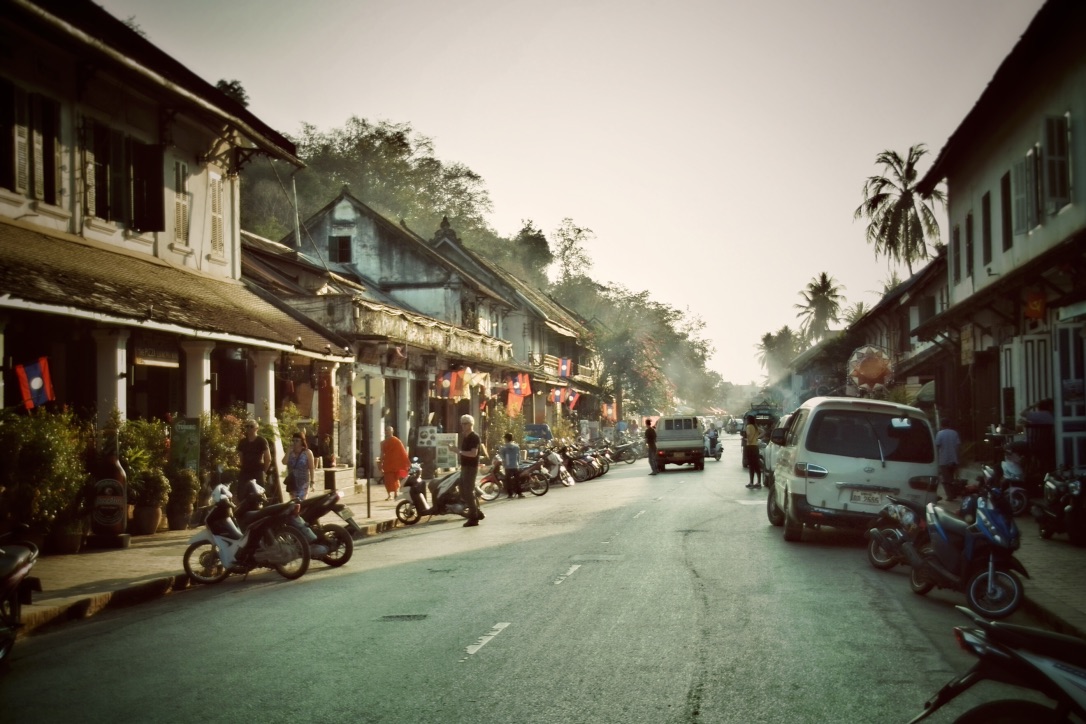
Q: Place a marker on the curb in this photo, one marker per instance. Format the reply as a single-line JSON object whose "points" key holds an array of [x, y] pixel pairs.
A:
{"points": [[83, 608]]}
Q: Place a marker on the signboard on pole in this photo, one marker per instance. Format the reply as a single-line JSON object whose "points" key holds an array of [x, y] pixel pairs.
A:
{"points": [[446, 457]]}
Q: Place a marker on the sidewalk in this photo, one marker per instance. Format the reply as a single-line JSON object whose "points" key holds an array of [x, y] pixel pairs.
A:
{"points": [[78, 586]]}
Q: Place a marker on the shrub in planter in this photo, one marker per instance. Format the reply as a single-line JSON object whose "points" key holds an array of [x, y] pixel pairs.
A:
{"points": [[44, 472], [184, 488], [150, 490]]}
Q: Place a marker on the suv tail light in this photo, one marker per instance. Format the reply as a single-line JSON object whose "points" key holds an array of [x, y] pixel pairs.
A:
{"points": [[806, 470], [928, 483]]}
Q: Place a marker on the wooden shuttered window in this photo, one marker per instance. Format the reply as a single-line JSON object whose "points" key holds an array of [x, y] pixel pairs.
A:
{"points": [[30, 132], [148, 189], [123, 178], [181, 203], [218, 230], [1057, 163]]}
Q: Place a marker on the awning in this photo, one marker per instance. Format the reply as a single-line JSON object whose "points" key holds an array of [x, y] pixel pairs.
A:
{"points": [[564, 331], [60, 274]]}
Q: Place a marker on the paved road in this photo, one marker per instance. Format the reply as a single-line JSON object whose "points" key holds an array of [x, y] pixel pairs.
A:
{"points": [[627, 599]]}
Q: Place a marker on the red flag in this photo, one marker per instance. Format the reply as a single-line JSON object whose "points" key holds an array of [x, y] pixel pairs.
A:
{"points": [[525, 383], [456, 386], [35, 383], [573, 397], [513, 406]]}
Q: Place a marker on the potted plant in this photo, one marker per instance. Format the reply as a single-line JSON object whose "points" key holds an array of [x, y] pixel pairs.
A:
{"points": [[150, 491], [184, 488]]}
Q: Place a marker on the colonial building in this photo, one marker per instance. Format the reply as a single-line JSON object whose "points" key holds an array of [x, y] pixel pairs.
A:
{"points": [[1015, 313], [120, 249]]}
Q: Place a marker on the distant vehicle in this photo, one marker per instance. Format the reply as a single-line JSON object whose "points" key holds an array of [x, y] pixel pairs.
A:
{"points": [[733, 425], [680, 439], [537, 435]]}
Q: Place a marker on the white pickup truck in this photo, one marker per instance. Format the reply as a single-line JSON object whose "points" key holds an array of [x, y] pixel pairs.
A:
{"points": [[680, 439]]}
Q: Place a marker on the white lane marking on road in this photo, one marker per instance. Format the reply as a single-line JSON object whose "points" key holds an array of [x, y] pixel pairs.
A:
{"points": [[567, 574], [639, 515], [484, 640]]}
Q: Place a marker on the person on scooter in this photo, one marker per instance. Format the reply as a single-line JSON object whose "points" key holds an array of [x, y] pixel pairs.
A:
{"points": [[510, 457], [469, 468]]}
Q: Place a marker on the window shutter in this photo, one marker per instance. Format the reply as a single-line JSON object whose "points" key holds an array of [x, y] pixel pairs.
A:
{"points": [[218, 245], [22, 144], [1057, 163], [956, 252], [1020, 194], [89, 187], [37, 148], [148, 189], [181, 203], [114, 164]]}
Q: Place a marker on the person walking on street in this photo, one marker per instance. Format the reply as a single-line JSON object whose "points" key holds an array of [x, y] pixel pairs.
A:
{"points": [[394, 462], [469, 468], [751, 451], [947, 445], [254, 454], [510, 457], [300, 467], [650, 444]]}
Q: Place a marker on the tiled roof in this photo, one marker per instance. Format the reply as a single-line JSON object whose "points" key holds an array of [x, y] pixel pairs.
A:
{"points": [[63, 274]]}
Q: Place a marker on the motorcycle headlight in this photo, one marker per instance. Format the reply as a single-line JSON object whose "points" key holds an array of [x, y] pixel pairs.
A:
{"points": [[908, 518]]}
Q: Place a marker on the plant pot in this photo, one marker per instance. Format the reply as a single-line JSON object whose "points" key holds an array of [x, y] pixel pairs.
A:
{"points": [[145, 519], [178, 519]]}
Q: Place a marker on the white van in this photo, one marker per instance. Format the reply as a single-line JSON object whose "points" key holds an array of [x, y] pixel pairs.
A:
{"points": [[841, 457]]}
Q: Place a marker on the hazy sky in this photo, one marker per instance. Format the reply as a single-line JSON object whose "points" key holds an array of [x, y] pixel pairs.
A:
{"points": [[716, 148]]}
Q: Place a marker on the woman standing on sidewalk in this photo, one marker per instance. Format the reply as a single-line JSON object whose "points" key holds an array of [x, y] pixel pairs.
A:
{"points": [[300, 467]]}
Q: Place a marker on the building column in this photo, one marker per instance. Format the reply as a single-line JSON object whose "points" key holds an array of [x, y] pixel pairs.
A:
{"points": [[197, 376], [264, 401], [112, 381], [345, 428]]}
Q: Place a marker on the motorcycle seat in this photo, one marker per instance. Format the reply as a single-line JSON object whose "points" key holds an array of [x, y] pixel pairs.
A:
{"points": [[13, 557], [269, 511], [1069, 649], [952, 524]]}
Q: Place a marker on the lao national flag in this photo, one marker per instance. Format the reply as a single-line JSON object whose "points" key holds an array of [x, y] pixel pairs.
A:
{"points": [[34, 381], [514, 385], [564, 366], [444, 384], [555, 395], [573, 397]]}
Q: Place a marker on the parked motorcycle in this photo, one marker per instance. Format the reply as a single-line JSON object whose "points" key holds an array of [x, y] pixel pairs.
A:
{"points": [[627, 452], [444, 496], [491, 485], [976, 559], [17, 558], [1049, 663], [270, 540], [898, 521], [1010, 476], [1062, 510], [557, 472], [335, 538]]}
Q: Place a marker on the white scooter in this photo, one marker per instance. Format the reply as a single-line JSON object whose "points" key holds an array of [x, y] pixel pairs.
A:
{"points": [[556, 469], [270, 540], [1012, 479]]}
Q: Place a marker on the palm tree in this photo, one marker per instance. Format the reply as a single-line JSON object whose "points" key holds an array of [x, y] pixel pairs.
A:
{"points": [[776, 351], [822, 306], [900, 219], [853, 313]]}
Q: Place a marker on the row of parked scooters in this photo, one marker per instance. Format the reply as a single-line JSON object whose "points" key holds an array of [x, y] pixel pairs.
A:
{"points": [[555, 464], [973, 552]]}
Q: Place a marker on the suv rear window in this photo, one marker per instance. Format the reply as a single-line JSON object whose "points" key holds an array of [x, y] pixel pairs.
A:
{"points": [[872, 435], [685, 423]]}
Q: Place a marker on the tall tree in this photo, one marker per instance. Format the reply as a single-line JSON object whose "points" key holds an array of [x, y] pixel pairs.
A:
{"points": [[822, 305], [777, 350], [901, 220], [570, 255], [853, 313]]}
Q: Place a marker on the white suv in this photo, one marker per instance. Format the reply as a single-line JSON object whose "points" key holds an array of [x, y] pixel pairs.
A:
{"points": [[841, 457]]}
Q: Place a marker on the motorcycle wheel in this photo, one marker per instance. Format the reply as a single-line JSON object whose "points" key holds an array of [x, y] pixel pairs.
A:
{"points": [[291, 539], [1019, 501], [629, 457], [407, 513], [491, 489], [1005, 599], [918, 582], [1045, 530], [202, 563], [773, 511], [580, 471], [538, 484], [717, 456], [1008, 711], [340, 545], [878, 556], [606, 465]]}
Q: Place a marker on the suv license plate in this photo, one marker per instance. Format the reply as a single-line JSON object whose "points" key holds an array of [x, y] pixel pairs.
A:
{"points": [[868, 497]]}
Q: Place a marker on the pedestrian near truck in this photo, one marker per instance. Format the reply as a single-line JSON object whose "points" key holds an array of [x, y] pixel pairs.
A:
{"points": [[650, 444], [947, 446], [751, 451]]}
